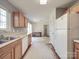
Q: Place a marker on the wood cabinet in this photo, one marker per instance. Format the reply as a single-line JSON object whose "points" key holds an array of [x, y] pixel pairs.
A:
{"points": [[18, 52], [26, 21], [76, 50], [6, 52], [19, 20], [8, 56], [75, 8], [22, 21], [16, 19], [11, 51]]}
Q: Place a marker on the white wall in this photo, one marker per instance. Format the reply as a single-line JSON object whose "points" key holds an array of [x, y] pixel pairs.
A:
{"points": [[39, 26], [73, 32], [61, 43], [52, 25]]}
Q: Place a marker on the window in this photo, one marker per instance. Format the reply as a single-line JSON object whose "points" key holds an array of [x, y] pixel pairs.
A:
{"points": [[29, 28], [3, 18]]}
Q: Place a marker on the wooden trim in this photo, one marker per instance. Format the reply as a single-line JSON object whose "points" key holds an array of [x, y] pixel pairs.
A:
{"points": [[26, 51], [54, 51]]}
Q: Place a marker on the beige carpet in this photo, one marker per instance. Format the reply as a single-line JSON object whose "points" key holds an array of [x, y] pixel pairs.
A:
{"points": [[39, 50]]}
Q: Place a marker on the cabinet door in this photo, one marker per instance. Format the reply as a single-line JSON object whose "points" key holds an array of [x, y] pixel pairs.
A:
{"points": [[18, 51], [77, 54], [16, 19], [22, 21], [26, 22], [8, 56]]}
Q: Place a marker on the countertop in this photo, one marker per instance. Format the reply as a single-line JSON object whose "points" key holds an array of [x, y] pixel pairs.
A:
{"points": [[16, 35], [76, 40]]}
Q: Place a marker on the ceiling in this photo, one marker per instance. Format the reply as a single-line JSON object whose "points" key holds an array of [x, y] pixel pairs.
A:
{"points": [[35, 11]]}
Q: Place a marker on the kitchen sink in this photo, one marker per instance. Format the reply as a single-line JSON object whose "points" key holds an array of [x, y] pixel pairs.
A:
{"points": [[6, 39], [10, 38], [2, 42]]}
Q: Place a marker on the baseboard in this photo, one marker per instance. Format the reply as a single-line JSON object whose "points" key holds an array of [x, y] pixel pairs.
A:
{"points": [[54, 51], [26, 51]]}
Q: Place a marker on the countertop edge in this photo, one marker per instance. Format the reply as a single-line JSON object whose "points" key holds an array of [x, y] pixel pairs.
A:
{"points": [[11, 41], [76, 41]]}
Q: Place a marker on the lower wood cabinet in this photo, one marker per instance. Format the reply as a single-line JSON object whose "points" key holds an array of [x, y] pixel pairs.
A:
{"points": [[8, 56], [18, 51], [76, 51], [12, 51], [77, 54]]}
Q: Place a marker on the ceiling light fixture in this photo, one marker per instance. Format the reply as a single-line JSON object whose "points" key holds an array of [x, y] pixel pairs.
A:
{"points": [[43, 2]]}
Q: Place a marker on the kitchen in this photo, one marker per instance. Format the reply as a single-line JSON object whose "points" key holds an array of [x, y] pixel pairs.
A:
{"points": [[16, 29]]}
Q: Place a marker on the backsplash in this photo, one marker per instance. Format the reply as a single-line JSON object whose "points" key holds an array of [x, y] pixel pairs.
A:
{"points": [[2, 32], [15, 30], [19, 30]]}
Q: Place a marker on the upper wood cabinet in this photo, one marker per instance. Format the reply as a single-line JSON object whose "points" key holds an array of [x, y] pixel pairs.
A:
{"points": [[19, 20], [75, 8], [26, 21], [16, 19]]}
